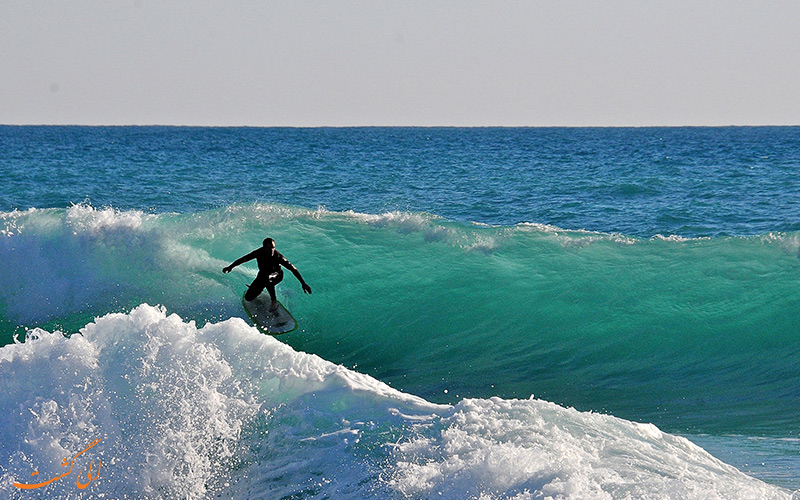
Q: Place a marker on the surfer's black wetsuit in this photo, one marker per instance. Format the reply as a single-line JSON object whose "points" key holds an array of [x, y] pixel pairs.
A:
{"points": [[269, 270]]}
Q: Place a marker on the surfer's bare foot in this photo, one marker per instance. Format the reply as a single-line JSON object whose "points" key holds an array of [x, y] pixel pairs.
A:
{"points": [[273, 306]]}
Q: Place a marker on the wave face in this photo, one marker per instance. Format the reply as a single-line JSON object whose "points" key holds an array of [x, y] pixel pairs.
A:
{"points": [[694, 335], [222, 410]]}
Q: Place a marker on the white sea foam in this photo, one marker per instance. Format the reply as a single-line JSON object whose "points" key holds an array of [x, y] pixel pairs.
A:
{"points": [[222, 410], [57, 263], [534, 449]]}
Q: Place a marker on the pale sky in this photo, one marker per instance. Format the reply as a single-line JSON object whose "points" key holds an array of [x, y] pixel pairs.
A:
{"points": [[449, 62]]}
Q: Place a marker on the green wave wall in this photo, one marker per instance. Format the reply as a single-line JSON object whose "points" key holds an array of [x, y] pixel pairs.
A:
{"points": [[695, 335]]}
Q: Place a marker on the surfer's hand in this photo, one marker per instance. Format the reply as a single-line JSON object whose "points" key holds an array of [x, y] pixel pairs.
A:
{"points": [[306, 288], [226, 269]]}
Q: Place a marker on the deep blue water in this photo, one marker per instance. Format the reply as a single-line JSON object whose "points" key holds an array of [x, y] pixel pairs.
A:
{"points": [[636, 181]]}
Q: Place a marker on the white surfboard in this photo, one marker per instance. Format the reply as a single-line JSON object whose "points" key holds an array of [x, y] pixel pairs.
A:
{"points": [[273, 322]]}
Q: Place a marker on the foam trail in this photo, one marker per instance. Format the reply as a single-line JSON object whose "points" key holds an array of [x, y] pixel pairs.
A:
{"points": [[187, 412]]}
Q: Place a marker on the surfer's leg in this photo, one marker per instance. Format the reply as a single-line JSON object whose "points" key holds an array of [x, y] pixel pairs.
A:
{"points": [[270, 286], [271, 289], [256, 287]]}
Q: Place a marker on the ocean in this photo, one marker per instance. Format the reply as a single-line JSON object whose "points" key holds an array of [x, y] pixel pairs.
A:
{"points": [[498, 313]]}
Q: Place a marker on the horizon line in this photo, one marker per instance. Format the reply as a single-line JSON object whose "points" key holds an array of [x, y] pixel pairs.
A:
{"points": [[162, 125]]}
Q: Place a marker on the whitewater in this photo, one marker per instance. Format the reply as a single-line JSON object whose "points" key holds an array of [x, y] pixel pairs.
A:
{"points": [[497, 314], [223, 410]]}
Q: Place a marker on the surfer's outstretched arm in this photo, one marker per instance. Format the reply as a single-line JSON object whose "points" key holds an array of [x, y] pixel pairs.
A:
{"points": [[240, 260], [296, 273]]}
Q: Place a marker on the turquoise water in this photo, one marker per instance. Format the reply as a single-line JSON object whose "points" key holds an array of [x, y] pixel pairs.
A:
{"points": [[646, 274]]}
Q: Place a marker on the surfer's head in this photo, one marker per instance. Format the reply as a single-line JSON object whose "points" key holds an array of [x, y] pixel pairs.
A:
{"points": [[269, 243]]}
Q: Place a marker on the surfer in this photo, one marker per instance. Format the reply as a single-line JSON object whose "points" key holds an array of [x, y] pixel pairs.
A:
{"points": [[269, 271]]}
